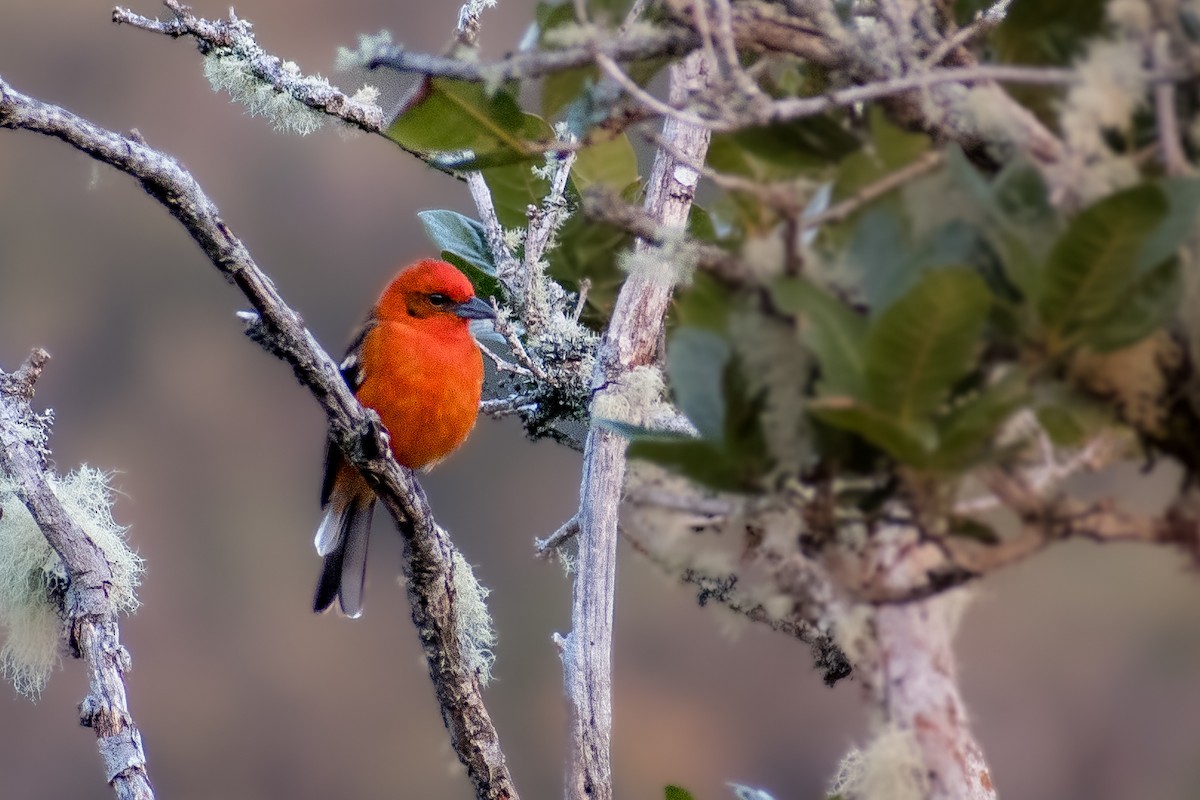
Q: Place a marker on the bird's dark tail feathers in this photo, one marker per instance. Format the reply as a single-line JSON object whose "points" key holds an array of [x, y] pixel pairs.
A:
{"points": [[342, 537]]}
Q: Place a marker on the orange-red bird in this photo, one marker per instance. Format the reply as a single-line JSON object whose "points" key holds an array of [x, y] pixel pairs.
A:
{"points": [[415, 362]]}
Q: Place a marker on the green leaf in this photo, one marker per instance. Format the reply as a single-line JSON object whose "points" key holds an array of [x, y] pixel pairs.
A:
{"points": [[925, 342], [967, 430], [956, 243], [895, 147], [880, 250], [610, 163], [1043, 33], [1145, 306], [1093, 262], [560, 89], [907, 443], [1183, 199], [831, 330], [702, 461], [514, 188], [783, 150], [448, 116], [705, 304], [589, 250], [696, 362], [464, 237], [1062, 426], [745, 440], [1019, 221], [485, 285], [676, 793]]}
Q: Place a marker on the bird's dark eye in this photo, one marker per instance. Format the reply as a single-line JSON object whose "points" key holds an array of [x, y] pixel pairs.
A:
{"points": [[439, 299]]}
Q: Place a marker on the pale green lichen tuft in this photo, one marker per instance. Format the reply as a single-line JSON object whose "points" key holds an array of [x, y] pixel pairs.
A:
{"points": [[671, 263], [231, 72], [635, 398], [890, 768], [476, 634], [370, 47], [31, 573], [1112, 88]]}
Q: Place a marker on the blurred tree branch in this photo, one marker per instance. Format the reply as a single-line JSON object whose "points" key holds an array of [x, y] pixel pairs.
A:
{"points": [[93, 633], [428, 552]]}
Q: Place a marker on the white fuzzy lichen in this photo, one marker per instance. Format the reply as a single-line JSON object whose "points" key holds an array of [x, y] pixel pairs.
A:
{"points": [[889, 768], [637, 397], [370, 47], [673, 262], [31, 572], [1112, 88], [476, 634], [233, 72]]}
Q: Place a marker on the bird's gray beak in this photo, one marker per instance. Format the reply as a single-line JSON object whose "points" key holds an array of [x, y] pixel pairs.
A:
{"points": [[475, 308]]}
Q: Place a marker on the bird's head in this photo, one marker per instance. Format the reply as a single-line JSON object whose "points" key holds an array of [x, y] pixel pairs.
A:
{"points": [[433, 290]]}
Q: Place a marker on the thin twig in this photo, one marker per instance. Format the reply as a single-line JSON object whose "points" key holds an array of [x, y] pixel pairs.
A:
{"points": [[88, 608], [980, 26], [505, 328], [927, 162], [618, 76], [662, 42], [428, 553], [544, 548]]}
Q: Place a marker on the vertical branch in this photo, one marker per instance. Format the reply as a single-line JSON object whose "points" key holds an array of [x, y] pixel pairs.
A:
{"points": [[90, 615], [916, 685], [911, 675], [631, 340]]}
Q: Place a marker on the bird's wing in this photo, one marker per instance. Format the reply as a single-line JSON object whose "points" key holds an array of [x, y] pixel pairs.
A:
{"points": [[352, 373]]}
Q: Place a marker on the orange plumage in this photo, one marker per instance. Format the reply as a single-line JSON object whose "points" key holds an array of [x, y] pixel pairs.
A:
{"points": [[415, 362]]}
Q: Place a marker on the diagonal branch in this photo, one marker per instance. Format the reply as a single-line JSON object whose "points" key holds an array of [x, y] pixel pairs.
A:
{"points": [[91, 615], [428, 552]]}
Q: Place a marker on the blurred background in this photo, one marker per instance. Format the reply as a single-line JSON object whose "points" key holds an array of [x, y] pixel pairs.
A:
{"points": [[1082, 667]]}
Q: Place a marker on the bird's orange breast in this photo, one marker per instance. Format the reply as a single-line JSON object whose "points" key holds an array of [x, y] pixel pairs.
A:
{"points": [[424, 381]]}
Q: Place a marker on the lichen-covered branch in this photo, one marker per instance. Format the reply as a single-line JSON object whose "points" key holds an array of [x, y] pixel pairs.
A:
{"points": [[88, 606], [428, 552], [266, 84], [631, 341]]}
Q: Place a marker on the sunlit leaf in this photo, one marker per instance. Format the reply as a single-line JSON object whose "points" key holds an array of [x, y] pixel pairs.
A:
{"points": [[1093, 262], [1147, 305], [610, 163], [514, 188], [903, 442], [925, 342], [448, 116]]}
